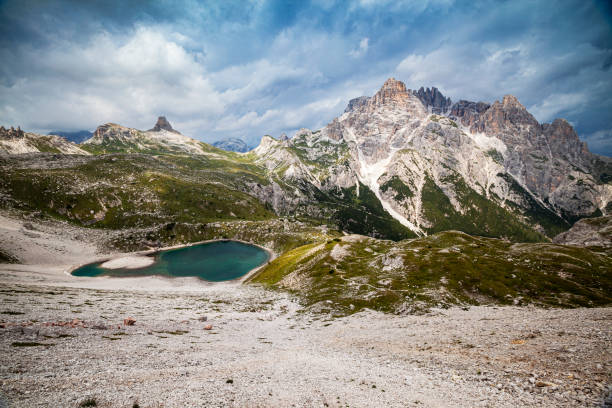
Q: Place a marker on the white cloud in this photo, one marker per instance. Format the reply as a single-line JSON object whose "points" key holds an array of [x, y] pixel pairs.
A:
{"points": [[129, 80], [362, 49], [472, 70], [549, 86], [600, 141], [552, 105]]}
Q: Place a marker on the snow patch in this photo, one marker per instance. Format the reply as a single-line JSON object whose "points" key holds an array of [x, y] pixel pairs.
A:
{"points": [[485, 142], [369, 174]]}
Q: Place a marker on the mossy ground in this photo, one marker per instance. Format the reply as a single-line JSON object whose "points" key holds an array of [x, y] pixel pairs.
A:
{"points": [[449, 268], [120, 191]]}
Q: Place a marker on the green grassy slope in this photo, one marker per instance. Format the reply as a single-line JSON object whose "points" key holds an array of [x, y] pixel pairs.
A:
{"points": [[448, 268], [119, 191], [481, 216]]}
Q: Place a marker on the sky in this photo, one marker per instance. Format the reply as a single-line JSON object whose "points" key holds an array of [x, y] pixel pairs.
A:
{"points": [[225, 68]]}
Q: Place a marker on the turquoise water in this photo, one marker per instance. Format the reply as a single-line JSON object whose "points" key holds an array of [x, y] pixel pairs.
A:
{"points": [[213, 261]]}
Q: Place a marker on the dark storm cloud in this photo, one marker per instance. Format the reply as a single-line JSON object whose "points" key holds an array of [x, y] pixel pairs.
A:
{"points": [[236, 68]]}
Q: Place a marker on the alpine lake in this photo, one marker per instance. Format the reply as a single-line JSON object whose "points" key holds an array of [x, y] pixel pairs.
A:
{"points": [[212, 261]]}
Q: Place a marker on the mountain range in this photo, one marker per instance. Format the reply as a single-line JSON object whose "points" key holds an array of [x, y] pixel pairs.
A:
{"points": [[401, 163], [232, 145]]}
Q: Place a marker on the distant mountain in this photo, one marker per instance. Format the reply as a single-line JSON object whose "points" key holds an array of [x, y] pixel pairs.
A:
{"points": [[232, 145], [77, 137], [162, 138]]}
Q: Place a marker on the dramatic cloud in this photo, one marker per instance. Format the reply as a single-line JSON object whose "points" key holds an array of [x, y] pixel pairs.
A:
{"points": [[244, 69]]}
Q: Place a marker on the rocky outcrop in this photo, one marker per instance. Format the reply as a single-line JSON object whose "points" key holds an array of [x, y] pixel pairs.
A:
{"points": [[163, 124], [433, 99], [11, 133], [392, 92], [232, 145], [468, 113], [356, 103], [564, 142], [112, 132], [588, 232], [111, 138], [16, 141]]}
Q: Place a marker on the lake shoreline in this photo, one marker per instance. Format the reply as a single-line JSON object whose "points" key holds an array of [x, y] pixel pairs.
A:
{"points": [[135, 260]]}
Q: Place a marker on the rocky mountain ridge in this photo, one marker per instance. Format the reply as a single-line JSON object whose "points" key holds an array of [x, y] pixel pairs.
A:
{"points": [[111, 138], [390, 167], [469, 168]]}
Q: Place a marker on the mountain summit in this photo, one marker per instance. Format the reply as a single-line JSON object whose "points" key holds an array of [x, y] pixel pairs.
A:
{"points": [[163, 124], [430, 165], [114, 138]]}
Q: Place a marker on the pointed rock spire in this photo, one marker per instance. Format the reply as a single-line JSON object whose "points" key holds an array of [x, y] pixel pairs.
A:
{"points": [[163, 124], [433, 98]]}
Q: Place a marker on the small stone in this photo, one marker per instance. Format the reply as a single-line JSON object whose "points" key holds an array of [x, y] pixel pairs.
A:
{"points": [[542, 384], [203, 318], [129, 321], [208, 327]]}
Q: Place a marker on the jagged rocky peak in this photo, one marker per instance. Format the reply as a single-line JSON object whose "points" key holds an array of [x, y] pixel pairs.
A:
{"points": [[468, 112], [433, 98], [510, 101], [391, 91], [356, 103], [11, 133], [163, 124], [563, 139], [509, 121], [283, 137]]}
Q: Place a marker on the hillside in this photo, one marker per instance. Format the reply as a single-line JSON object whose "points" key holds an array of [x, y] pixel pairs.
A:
{"points": [[348, 274], [16, 141], [397, 165]]}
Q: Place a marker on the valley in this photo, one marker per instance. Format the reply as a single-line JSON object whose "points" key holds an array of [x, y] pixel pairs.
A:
{"points": [[413, 241]]}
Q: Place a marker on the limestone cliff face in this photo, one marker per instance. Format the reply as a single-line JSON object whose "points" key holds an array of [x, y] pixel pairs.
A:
{"points": [[548, 159], [468, 112], [433, 99], [455, 168]]}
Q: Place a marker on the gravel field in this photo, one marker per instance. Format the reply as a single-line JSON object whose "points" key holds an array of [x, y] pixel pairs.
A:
{"points": [[61, 346]]}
